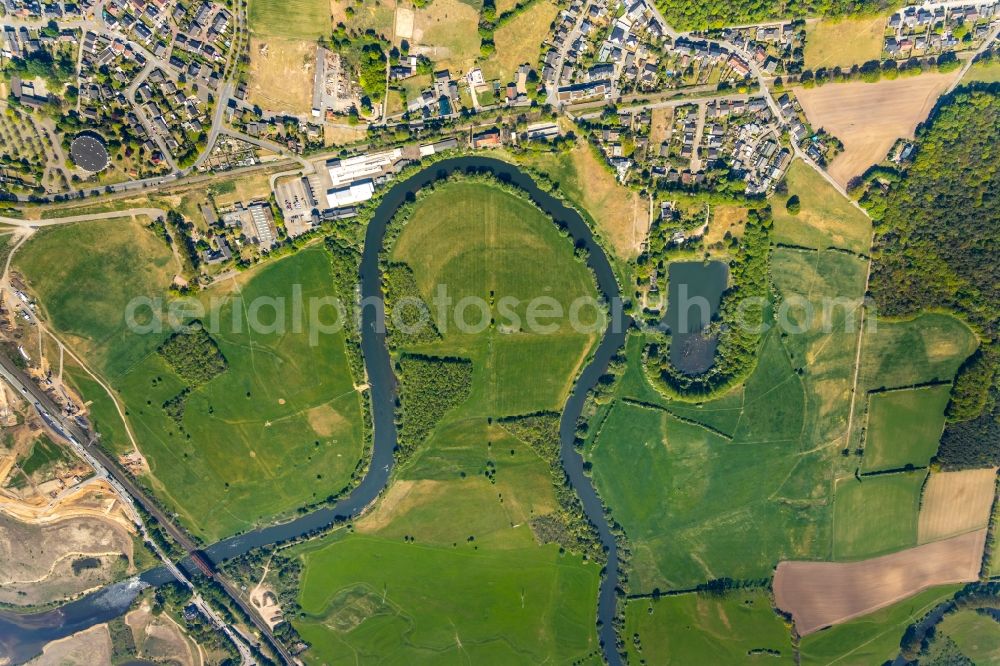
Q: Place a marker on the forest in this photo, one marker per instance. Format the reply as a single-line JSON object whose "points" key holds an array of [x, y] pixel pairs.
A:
{"points": [[431, 385], [685, 15], [936, 247], [193, 355]]}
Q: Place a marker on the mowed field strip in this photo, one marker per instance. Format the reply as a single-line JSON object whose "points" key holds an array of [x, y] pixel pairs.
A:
{"points": [[820, 594], [869, 117], [956, 502]]}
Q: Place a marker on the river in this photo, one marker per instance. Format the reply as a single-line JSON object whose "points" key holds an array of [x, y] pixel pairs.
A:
{"points": [[22, 635]]}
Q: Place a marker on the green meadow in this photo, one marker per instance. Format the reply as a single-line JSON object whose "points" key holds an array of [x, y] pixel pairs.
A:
{"points": [[927, 348], [977, 636], [904, 427], [280, 428], [874, 638], [478, 241], [876, 515], [293, 19], [707, 629], [449, 565], [826, 219], [368, 599], [722, 489]]}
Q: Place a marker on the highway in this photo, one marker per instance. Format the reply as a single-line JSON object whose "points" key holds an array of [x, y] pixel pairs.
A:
{"points": [[107, 468]]}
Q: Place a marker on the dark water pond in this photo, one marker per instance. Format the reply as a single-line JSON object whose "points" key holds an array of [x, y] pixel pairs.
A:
{"points": [[693, 297]]}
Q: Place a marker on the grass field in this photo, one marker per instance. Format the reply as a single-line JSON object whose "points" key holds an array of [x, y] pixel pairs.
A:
{"points": [[702, 629], [825, 350], [843, 42], [923, 349], [876, 515], [377, 16], [904, 427], [263, 438], [446, 31], [873, 639], [698, 506], [518, 40], [826, 219], [459, 574], [985, 72], [425, 602], [282, 73], [869, 117], [292, 19], [620, 215], [499, 246], [977, 636]]}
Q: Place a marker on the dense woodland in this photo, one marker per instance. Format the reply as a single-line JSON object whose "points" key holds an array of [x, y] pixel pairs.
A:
{"points": [[685, 15], [408, 317], [431, 385], [936, 247], [193, 355]]}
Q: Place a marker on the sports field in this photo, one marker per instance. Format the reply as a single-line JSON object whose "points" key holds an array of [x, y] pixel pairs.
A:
{"points": [[874, 638], [956, 502], [869, 117], [826, 219], [876, 515], [461, 573], [843, 42], [819, 594], [266, 436], [904, 427], [706, 629]]}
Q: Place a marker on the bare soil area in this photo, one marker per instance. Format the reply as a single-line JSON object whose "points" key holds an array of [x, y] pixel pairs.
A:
{"points": [[820, 594], [869, 117], [48, 562], [87, 648], [158, 638], [956, 502]]}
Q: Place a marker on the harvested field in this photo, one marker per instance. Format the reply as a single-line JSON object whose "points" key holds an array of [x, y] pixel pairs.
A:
{"points": [[869, 117], [281, 74], [820, 594], [955, 503]]}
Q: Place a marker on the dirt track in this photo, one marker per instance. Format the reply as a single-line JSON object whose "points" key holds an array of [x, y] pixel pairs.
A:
{"points": [[820, 594], [869, 117]]}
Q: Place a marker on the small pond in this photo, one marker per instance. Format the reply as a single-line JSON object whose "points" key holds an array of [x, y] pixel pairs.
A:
{"points": [[693, 297]]}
